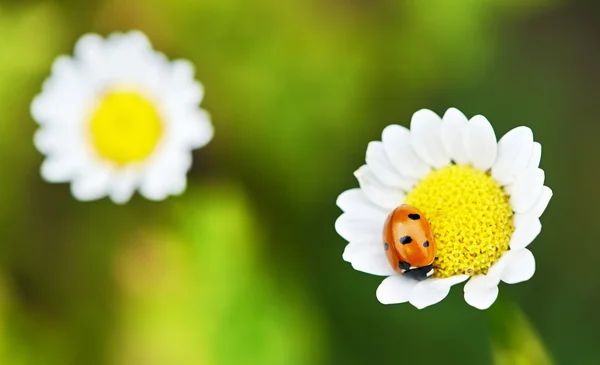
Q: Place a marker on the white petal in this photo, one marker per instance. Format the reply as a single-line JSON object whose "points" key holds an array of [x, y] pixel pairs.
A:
{"points": [[426, 138], [165, 171], [199, 128], [480, 282], [494, 272], [90, 48], [366, 257], [526, 190], [384, 171], [354, 228], [47, 139], [431, 291], [181, 81], [129, 57], [383, 196], [64, 98], [520, 266], [57, 169], [359, 248], [398, 148], [538, 208], [155, 187], [480, 143], [491, 279], [395, 289], [355, 202], [536, 157], [123, 186], [482, 298], [453, 128], [91, 186], [178, 184], [515, 149], [508, 189], [482, 290], [525, 233], [121, 60], [447, 282]]}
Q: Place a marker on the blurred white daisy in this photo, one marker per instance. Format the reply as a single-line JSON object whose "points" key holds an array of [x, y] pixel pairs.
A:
{"points": [[482, 198], [119, 116]]}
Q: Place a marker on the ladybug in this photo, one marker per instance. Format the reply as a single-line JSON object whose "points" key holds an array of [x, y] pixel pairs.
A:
{"points": [[408, 242]]}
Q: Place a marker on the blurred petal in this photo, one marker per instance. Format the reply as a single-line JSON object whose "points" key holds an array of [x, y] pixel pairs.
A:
{"points": [[178, 184], [398, 148], [198, 128], [122, 187], [520, 266], [64, 98], [395, 289], [57, 170], [181, 80], [91, 186], [155, 186], [166, 173], [453, 129], [426, 138], [480, 143], [90, 48], [78, 83], [47, 139], [514, 153]]}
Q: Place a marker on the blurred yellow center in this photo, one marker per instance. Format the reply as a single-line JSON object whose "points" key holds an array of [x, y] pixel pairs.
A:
{"points": [[470, 217], [125, 127]]}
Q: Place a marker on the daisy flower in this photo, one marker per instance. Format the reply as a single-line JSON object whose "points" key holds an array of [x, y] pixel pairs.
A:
{"points": [[119, 116], [482, 199]]}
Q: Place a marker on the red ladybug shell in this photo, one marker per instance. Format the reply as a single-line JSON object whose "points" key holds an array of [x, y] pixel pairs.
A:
{"points": [[408, 241]]}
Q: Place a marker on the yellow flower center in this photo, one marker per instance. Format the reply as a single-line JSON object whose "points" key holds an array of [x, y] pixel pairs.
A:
{"points": [[470, 217], [125, 127]]}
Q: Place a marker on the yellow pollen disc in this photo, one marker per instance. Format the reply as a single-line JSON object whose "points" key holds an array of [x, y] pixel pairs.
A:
{"points": [[470, 217], [125, 127]]}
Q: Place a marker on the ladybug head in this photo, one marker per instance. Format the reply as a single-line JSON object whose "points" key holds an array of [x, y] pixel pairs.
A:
{"points": [[420, 273]]}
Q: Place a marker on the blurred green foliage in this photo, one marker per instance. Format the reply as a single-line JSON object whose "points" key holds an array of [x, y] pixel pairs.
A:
{"points": [[246, 266], [196, 294], [514, 341]]}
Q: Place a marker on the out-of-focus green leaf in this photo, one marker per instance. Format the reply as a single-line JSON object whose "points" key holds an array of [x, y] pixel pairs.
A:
{"points": [[29, 38], [514, 340], [201, 294]]}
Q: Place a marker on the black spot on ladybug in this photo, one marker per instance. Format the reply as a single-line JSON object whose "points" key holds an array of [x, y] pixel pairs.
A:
{"points": [[426, 244], [385, 246], [405, 240], [404, 265], [414, 217]]}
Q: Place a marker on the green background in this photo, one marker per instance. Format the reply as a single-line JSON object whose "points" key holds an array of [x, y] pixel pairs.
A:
{"points": [[246, 267]]}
